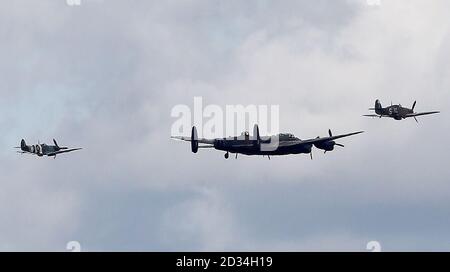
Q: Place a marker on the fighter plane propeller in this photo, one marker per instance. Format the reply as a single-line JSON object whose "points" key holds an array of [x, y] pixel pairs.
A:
{"points": [[44, 150], [286, 143], [397, 112]]}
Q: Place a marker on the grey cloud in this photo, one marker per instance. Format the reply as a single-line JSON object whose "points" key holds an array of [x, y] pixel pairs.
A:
{"points": [[106, 75]]}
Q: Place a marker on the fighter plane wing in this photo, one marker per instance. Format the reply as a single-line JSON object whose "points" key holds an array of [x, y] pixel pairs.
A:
{"points": [[25, 152], [63, 151], [421, 113], [376, 115], [188, 139]]}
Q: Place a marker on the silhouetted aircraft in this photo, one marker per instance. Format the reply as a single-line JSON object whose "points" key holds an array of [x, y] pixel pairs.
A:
{"points": [[285, 143], [43, 149], [396, 111]]}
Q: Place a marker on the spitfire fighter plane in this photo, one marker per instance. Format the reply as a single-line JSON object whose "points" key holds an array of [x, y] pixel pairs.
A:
{"points": [[281, 144], [44, 150], [396, 111]]}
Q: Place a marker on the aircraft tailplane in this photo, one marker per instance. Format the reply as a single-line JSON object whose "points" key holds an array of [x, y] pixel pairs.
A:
{"points": [[378, 106], [256, 134], [23, 145], [194, 140]]}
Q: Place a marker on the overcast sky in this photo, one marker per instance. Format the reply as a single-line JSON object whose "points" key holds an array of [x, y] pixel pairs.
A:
{"points": [[105, 76]]}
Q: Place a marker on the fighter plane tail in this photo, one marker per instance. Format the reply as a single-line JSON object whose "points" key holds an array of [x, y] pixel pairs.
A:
{"points": [[23, 145], [378, 105]]}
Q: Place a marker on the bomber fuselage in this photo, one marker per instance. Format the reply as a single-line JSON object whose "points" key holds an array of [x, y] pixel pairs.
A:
{"points": [[272, 146]]}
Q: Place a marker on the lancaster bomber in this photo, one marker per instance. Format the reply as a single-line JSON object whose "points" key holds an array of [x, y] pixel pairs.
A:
{"points": [[396, 112], [281, 144], [44, 150]]}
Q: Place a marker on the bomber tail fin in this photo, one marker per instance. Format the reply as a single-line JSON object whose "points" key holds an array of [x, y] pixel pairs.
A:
{"points": [[256, 134], [194, 140]]}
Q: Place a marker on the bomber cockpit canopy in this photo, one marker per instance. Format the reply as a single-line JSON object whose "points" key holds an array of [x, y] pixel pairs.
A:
{"points": [[287, 135], [245, 133]]}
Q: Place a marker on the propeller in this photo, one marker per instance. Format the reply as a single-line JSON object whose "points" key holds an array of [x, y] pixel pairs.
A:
{"points": [[412, 109], [331, 135], [328, 143]]}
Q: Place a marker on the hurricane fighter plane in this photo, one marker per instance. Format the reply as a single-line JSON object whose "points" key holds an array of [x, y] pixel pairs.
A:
{"points": [[281, 144], [43, 149], [396, 112]]}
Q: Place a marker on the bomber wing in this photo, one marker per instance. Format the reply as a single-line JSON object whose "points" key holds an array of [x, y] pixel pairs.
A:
{"points": [[318, 140], [188, 139]]}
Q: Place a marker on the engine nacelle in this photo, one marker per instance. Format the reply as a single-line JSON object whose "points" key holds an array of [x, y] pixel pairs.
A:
{"points": [[327, 146]]}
